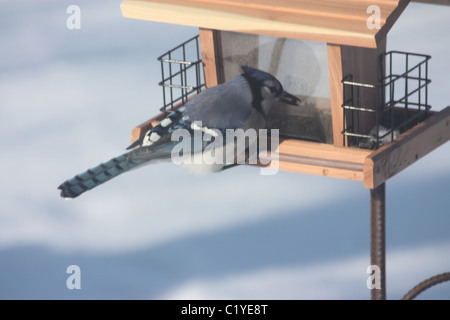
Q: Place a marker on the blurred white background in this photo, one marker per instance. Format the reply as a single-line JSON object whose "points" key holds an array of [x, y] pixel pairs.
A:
{"points": [[68, 101]]}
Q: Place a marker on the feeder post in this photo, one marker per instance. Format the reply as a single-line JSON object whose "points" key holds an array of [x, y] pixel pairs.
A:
{"points": [[378, 237]]}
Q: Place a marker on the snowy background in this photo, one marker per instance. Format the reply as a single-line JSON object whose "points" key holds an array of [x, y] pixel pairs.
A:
{"points": [[69, 99]]}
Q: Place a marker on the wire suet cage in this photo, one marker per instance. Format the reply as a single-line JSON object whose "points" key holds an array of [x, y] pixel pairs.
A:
{"points": [[181, 73], [401, 100]]}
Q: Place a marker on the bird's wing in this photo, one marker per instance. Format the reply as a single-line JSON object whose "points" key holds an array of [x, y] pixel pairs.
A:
{"points": [[226, 106]]}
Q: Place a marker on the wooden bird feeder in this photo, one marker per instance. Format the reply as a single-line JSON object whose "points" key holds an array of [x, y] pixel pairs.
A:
{"points": [[332, 55]]}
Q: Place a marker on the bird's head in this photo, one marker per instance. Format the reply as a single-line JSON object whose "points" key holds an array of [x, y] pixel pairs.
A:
{"points": [[268, 88]]}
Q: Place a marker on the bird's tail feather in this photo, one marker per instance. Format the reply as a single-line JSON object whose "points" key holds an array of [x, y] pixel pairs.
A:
{"points": [[97, 175]]}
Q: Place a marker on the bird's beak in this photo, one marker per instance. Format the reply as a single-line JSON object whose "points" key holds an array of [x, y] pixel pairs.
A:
{"points": [[288, 98]]}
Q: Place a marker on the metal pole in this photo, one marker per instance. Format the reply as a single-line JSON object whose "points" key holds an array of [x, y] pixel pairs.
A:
{"points": [[378, 236]]}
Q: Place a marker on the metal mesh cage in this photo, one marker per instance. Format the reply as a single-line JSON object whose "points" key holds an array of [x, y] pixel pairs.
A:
{"points": [[182, 73], [401, 100]]}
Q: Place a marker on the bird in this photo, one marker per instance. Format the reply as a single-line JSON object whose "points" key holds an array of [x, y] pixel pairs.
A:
{"points": [[378, 137], [241, 103]]}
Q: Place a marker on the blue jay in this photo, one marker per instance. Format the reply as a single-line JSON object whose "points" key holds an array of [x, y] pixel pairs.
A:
{"points": [[240, 103]]}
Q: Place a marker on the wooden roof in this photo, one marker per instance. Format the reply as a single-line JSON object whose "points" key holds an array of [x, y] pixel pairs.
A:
{"points": [[333, 21]]}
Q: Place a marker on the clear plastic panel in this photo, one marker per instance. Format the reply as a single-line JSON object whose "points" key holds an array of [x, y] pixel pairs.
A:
{"points": [[300, 65]]}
